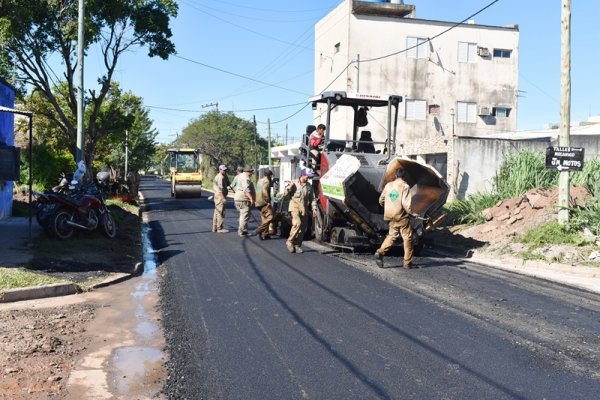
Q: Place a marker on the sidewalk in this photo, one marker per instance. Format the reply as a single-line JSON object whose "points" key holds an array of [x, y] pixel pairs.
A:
{"points": [[14, 240]]}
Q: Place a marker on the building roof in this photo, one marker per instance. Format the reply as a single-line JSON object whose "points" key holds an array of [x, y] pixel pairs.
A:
{"points": [[591, 127]]}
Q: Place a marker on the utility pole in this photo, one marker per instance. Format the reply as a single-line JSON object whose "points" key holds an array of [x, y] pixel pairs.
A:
{"points": [[212, 104], [255, 144], [126, 152], [358, 72], [269, 136], [80, 114], [565, 108], [286, 133]]}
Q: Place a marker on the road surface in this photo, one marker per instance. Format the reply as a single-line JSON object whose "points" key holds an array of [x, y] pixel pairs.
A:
{"points": [[245, 319]]}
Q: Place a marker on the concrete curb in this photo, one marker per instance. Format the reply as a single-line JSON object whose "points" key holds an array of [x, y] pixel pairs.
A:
{"points": [[38, 292], [580, 277], [64, 289], [120, 277]]}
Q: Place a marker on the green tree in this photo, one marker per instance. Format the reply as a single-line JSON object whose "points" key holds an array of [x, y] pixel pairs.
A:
{"points": [[224, 138], [137, 131], [32, 32]]}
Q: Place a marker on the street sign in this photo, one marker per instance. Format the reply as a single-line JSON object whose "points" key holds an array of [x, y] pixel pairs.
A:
{"points": [[564, 158]]}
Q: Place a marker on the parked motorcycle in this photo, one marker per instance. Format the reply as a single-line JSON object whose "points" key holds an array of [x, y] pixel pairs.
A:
{"points": [[45, 203], [84, 210]]}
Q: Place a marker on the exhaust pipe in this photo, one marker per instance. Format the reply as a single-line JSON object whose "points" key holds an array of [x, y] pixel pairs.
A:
{"points": [[76, 225]]}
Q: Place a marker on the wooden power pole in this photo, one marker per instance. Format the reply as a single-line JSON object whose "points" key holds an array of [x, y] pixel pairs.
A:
{"points": [[565, 108]]}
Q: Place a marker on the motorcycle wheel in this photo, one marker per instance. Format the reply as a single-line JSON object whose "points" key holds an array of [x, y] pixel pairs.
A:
{"points": [[59, 225], [109, 228]]}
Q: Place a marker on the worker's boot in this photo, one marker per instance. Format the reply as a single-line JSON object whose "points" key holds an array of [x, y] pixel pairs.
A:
{"points": [[407, 265], [298, 249], [379, 259], [223, 230], [290, 247]]}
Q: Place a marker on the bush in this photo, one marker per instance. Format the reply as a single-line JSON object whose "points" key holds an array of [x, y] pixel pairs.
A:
{"points": [[46, 166]]}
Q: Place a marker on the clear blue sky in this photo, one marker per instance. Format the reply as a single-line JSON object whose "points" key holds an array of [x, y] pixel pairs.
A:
{"points": [[222, 43]]}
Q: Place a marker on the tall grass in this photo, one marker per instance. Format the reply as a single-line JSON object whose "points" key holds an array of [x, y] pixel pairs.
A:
{"points": [[589, 177], [518, 173], [521, 172], [468, 211]]}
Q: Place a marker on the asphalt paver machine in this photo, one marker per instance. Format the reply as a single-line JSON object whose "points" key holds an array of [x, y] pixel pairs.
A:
{"points": [[348, 183]]}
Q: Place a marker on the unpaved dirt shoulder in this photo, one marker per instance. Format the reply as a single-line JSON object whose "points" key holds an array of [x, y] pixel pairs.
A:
{"points": [[40, 341]]}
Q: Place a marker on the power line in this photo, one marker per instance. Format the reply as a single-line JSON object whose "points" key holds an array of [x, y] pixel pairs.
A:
{"points": [[239, 75], [246, 29], [278, 20], [248, 110], [271, 10]]}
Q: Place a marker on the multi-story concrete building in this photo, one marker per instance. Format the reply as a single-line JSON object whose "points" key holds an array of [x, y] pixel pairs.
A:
{"points": [[456, 79]]}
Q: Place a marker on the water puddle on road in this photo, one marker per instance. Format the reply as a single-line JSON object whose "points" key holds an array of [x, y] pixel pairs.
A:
{"points": [[138, 369]]}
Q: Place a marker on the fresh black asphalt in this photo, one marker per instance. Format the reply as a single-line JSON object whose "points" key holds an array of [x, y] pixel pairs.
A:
{"points": [[245, 319]]}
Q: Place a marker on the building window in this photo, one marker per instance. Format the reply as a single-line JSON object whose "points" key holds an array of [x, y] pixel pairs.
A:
{"points": [[466, 112], [336, 48], [467, 52], [502, 53], [415, 110], [417, 47], [501, 112]]}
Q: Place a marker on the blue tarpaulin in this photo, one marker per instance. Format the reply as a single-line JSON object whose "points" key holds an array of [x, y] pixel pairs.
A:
{"points": [[7, 137]]}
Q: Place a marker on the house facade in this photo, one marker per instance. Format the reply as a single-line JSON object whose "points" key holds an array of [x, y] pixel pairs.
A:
{"points": [[455, 79]]}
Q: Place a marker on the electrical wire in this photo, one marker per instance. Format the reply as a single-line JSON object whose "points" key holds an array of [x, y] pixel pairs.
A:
{"points": [[248, 110], [278, 20], [270, 10], [246, 29], [239, 75]]}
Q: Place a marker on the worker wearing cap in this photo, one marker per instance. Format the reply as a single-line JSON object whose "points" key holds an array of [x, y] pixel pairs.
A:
{"points": [[263, 203], [245, 196], [302, 201], [220, 188], [396, 201], [234, 182]]}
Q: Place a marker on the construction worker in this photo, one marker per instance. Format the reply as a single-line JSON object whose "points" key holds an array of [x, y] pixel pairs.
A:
{"points": [[316, 139], [263, 203], [234, 182], [220, 188], [396, 201], [245, 197], [302, 200]]}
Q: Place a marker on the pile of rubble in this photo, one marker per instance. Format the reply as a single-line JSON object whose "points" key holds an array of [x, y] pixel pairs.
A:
{"points": [[515, 216]]}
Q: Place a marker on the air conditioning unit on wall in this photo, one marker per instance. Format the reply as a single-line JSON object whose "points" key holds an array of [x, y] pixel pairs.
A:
{"points": [[483, 52], [484, 111]]}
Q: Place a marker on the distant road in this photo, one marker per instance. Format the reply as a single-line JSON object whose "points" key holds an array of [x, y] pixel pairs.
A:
{"points": [[245, 319]]}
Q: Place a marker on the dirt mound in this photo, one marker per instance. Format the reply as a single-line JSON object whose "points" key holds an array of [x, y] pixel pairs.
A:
{"points": [[514, 216]]}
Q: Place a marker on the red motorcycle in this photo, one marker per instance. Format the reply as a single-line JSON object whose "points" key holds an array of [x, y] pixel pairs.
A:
{"points": [[46, 205], [84, 209]]}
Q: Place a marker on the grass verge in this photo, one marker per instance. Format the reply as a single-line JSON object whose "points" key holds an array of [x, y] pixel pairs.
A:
{"points": [[16, 278]]}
